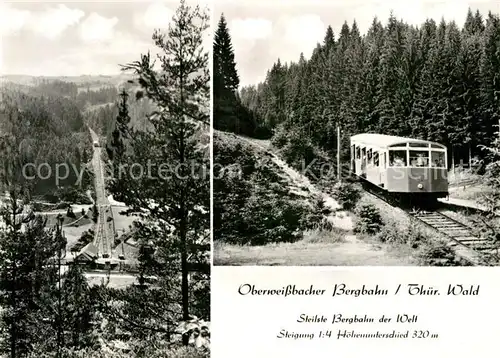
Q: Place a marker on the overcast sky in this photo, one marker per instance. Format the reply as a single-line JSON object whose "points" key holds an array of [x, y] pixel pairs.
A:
{"points": [[263, 30], [73, 38]]}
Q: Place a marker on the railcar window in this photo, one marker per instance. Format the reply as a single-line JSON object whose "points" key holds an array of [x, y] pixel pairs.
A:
{"points": [[358, 152], [419, 145], [375, 159], [419, 158], [363, 153], [436, 146], [437, 159], [397, 158], [369, 155]]}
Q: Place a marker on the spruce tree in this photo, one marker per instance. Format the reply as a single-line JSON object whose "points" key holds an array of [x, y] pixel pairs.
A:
{"points": [[172, 196], [229, 113], [120, 132], [79, 309], [490, 78], [224, 64], [27, 276]]}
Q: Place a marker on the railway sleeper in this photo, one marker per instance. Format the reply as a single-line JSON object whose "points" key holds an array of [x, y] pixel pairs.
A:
{"points": [[455, 234], [485, 248], [466, 232], [452, 229], [478, 246], [441, 221], [471, 240]]}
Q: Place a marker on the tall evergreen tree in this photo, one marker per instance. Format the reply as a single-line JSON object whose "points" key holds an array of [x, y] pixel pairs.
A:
{"points": [[26, 279], [224, 65], [79, 309], [229, 113], [120, 132]]}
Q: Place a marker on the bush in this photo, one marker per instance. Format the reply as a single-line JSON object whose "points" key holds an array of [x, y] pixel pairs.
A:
{"points": [[150, 351], [369, 220], [317, 217], [256, 207], [280, 138], [391, 233], [87, 237], [268, 217], [347, 195]]}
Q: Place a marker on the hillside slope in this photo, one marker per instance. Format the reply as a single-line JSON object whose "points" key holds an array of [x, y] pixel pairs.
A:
{"points": [[253, 221]]}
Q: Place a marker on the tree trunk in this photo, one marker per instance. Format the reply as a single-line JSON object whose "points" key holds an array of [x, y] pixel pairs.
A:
{"points": [[59, 301], [13, 326], [184, 275]]}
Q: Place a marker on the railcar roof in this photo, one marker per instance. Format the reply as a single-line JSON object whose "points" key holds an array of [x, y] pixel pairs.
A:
{"points": [[383, 140]]}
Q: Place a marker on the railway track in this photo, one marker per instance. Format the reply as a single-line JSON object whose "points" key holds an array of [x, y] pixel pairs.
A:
{"points": [[476, 250], [104, 233], [102, 242], [459, 232]]}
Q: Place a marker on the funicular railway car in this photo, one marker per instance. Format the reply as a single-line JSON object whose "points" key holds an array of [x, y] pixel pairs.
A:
{"points": [[406, 167]]}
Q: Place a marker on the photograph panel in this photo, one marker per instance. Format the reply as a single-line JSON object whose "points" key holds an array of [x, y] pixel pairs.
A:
{"points": [[360, 133], [105, 179]]}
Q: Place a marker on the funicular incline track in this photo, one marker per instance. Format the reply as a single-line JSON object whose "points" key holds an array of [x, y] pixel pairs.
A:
{"points": [[462, 237], [454, 229], [476, 250]]}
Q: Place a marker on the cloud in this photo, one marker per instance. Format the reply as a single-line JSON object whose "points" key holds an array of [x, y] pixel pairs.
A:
{"points": [[12, 20], [97, 28], [52, 22], [90, 58], [157, 15], [298, 34], [451, 10], [251, 28], [412, 12], [304, 31]]}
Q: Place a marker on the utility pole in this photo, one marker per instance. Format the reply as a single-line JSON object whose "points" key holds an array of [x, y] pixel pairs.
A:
{"points": [[338, 154], [453, 160]]}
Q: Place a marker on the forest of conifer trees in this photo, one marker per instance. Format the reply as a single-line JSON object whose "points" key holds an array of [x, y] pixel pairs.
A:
{"points": [[439, 81]]}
